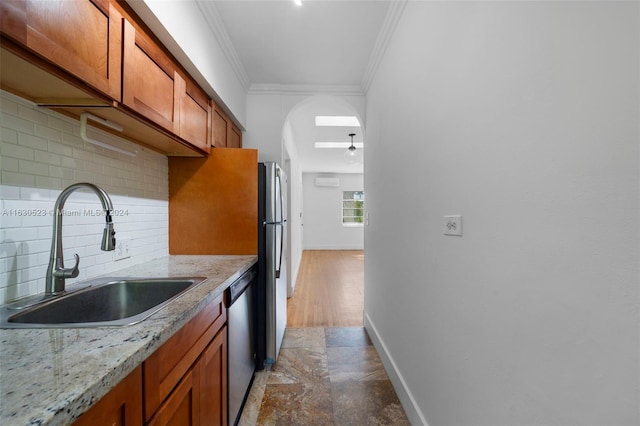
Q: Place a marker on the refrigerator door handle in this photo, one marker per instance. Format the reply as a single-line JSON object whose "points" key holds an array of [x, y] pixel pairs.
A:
{"points": [[281, 247]]}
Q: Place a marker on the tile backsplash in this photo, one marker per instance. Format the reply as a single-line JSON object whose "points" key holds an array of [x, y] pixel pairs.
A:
{"points": [[41, 153]]}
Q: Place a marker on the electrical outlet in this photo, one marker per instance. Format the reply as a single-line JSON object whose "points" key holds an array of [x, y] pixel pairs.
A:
{"points": [[122, 249], [453, 225]]}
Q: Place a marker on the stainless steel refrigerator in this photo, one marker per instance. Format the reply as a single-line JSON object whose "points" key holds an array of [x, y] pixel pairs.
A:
{"points": [[271, 297]]}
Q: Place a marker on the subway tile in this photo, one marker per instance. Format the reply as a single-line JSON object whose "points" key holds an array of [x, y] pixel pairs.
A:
{"points": [[16, 151], [60, 124], [48, 182], [61, 172], [8, 106], [72, 140], [9, 192], [17, 179], [8, 135], [69, 162], [42, 216], [36, 194], [59, 148], [7, 220], [32, 113], [20, 234], [32, 141], [47, 157], [34, 168], [17, 123], [48, 133], [9, 164]]}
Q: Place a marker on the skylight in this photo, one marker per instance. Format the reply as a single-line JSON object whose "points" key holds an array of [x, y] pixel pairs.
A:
{"points": [[337, 144], [337, 121]]}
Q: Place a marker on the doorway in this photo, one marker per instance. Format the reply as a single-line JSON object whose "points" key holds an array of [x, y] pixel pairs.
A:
{"points": [[326, 247]]}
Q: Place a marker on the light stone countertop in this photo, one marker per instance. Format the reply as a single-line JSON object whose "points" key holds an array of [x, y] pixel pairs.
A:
{"points": [[52, 376]]}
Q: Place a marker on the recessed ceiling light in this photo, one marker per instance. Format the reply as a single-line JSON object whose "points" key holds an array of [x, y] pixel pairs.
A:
{"points": [[341, 145], [298, 2], [337, 120]]}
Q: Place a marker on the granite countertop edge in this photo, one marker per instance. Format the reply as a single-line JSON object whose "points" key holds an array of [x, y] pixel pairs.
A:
{"points": [[76, 367]]}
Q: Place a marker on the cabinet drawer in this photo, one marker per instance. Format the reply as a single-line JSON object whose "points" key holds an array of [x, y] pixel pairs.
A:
{"points": [[164, 369]]}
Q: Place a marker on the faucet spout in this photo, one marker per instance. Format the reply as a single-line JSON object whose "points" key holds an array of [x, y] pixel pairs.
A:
{"points": [[56, 272]]}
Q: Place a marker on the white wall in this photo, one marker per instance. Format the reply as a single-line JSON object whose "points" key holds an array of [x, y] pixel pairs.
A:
{"points": [[322, 214], [523, 117], [40, 154], [294, 201]]}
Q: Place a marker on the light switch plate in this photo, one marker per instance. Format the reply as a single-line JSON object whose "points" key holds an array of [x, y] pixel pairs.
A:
{"points": [[452, 225], [122, 249]]}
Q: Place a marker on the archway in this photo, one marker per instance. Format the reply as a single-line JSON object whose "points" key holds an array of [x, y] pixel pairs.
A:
{"points": [[303, 163]]}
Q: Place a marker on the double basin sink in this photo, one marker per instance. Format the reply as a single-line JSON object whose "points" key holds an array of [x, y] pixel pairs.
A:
{"points": [[103, 302]]}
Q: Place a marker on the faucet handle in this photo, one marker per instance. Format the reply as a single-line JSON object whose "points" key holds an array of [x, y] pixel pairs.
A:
{"points": [[69, 272]]}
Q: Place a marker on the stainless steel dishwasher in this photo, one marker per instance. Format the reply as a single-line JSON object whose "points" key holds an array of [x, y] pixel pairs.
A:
{"points": [[241, 354]]}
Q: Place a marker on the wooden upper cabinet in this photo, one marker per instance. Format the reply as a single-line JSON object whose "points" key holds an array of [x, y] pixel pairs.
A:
{"points": [[195, 112], [225, 133], [220, 124], [151, 84], [234, 137], [83, 37]]}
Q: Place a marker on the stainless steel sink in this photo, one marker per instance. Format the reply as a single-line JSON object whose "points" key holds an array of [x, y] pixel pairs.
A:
{"points": [[108, 302]]}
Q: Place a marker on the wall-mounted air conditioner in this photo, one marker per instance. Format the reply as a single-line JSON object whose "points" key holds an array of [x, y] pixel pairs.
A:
{"points": [[328, 182]]}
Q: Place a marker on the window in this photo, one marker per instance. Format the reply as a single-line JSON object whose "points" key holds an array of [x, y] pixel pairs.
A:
{"points": [[352, 207]]}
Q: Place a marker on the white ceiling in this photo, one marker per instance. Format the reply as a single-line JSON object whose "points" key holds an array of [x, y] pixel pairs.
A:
{"points": [[321, 43]]}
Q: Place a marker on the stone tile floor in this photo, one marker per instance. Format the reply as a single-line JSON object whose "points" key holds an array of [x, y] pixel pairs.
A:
{"points": [[324, 376]]}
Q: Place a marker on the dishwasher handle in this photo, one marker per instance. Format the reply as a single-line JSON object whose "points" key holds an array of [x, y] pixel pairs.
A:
{"points": [[239, 286]]}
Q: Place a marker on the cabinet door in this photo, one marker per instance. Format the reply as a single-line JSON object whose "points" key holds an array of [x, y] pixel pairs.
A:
{"points": [[182, 406], [122, 406], [220, 124], [234, 138], [83, 37], [166, 366], [195, 112], [151, 80], [212, 374]]}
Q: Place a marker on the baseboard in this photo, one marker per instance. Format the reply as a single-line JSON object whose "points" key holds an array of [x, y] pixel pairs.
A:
{"points": [[404, 395]]}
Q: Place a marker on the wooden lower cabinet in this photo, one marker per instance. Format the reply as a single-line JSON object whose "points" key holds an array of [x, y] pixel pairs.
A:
{"points": [[200, 397], [186, 377], [212, 377], [184, 382], [122, 406]]}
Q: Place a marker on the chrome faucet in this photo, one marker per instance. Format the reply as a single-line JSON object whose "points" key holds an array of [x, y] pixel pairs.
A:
{"points": [[56, 272]]}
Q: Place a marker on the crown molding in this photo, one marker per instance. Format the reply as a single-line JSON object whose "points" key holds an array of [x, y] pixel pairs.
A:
{"points": [[388, 28], [304, 89], [220, 33]]}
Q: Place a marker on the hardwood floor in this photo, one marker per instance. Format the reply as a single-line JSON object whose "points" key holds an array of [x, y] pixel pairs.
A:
{"points": [[329, 291]]}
